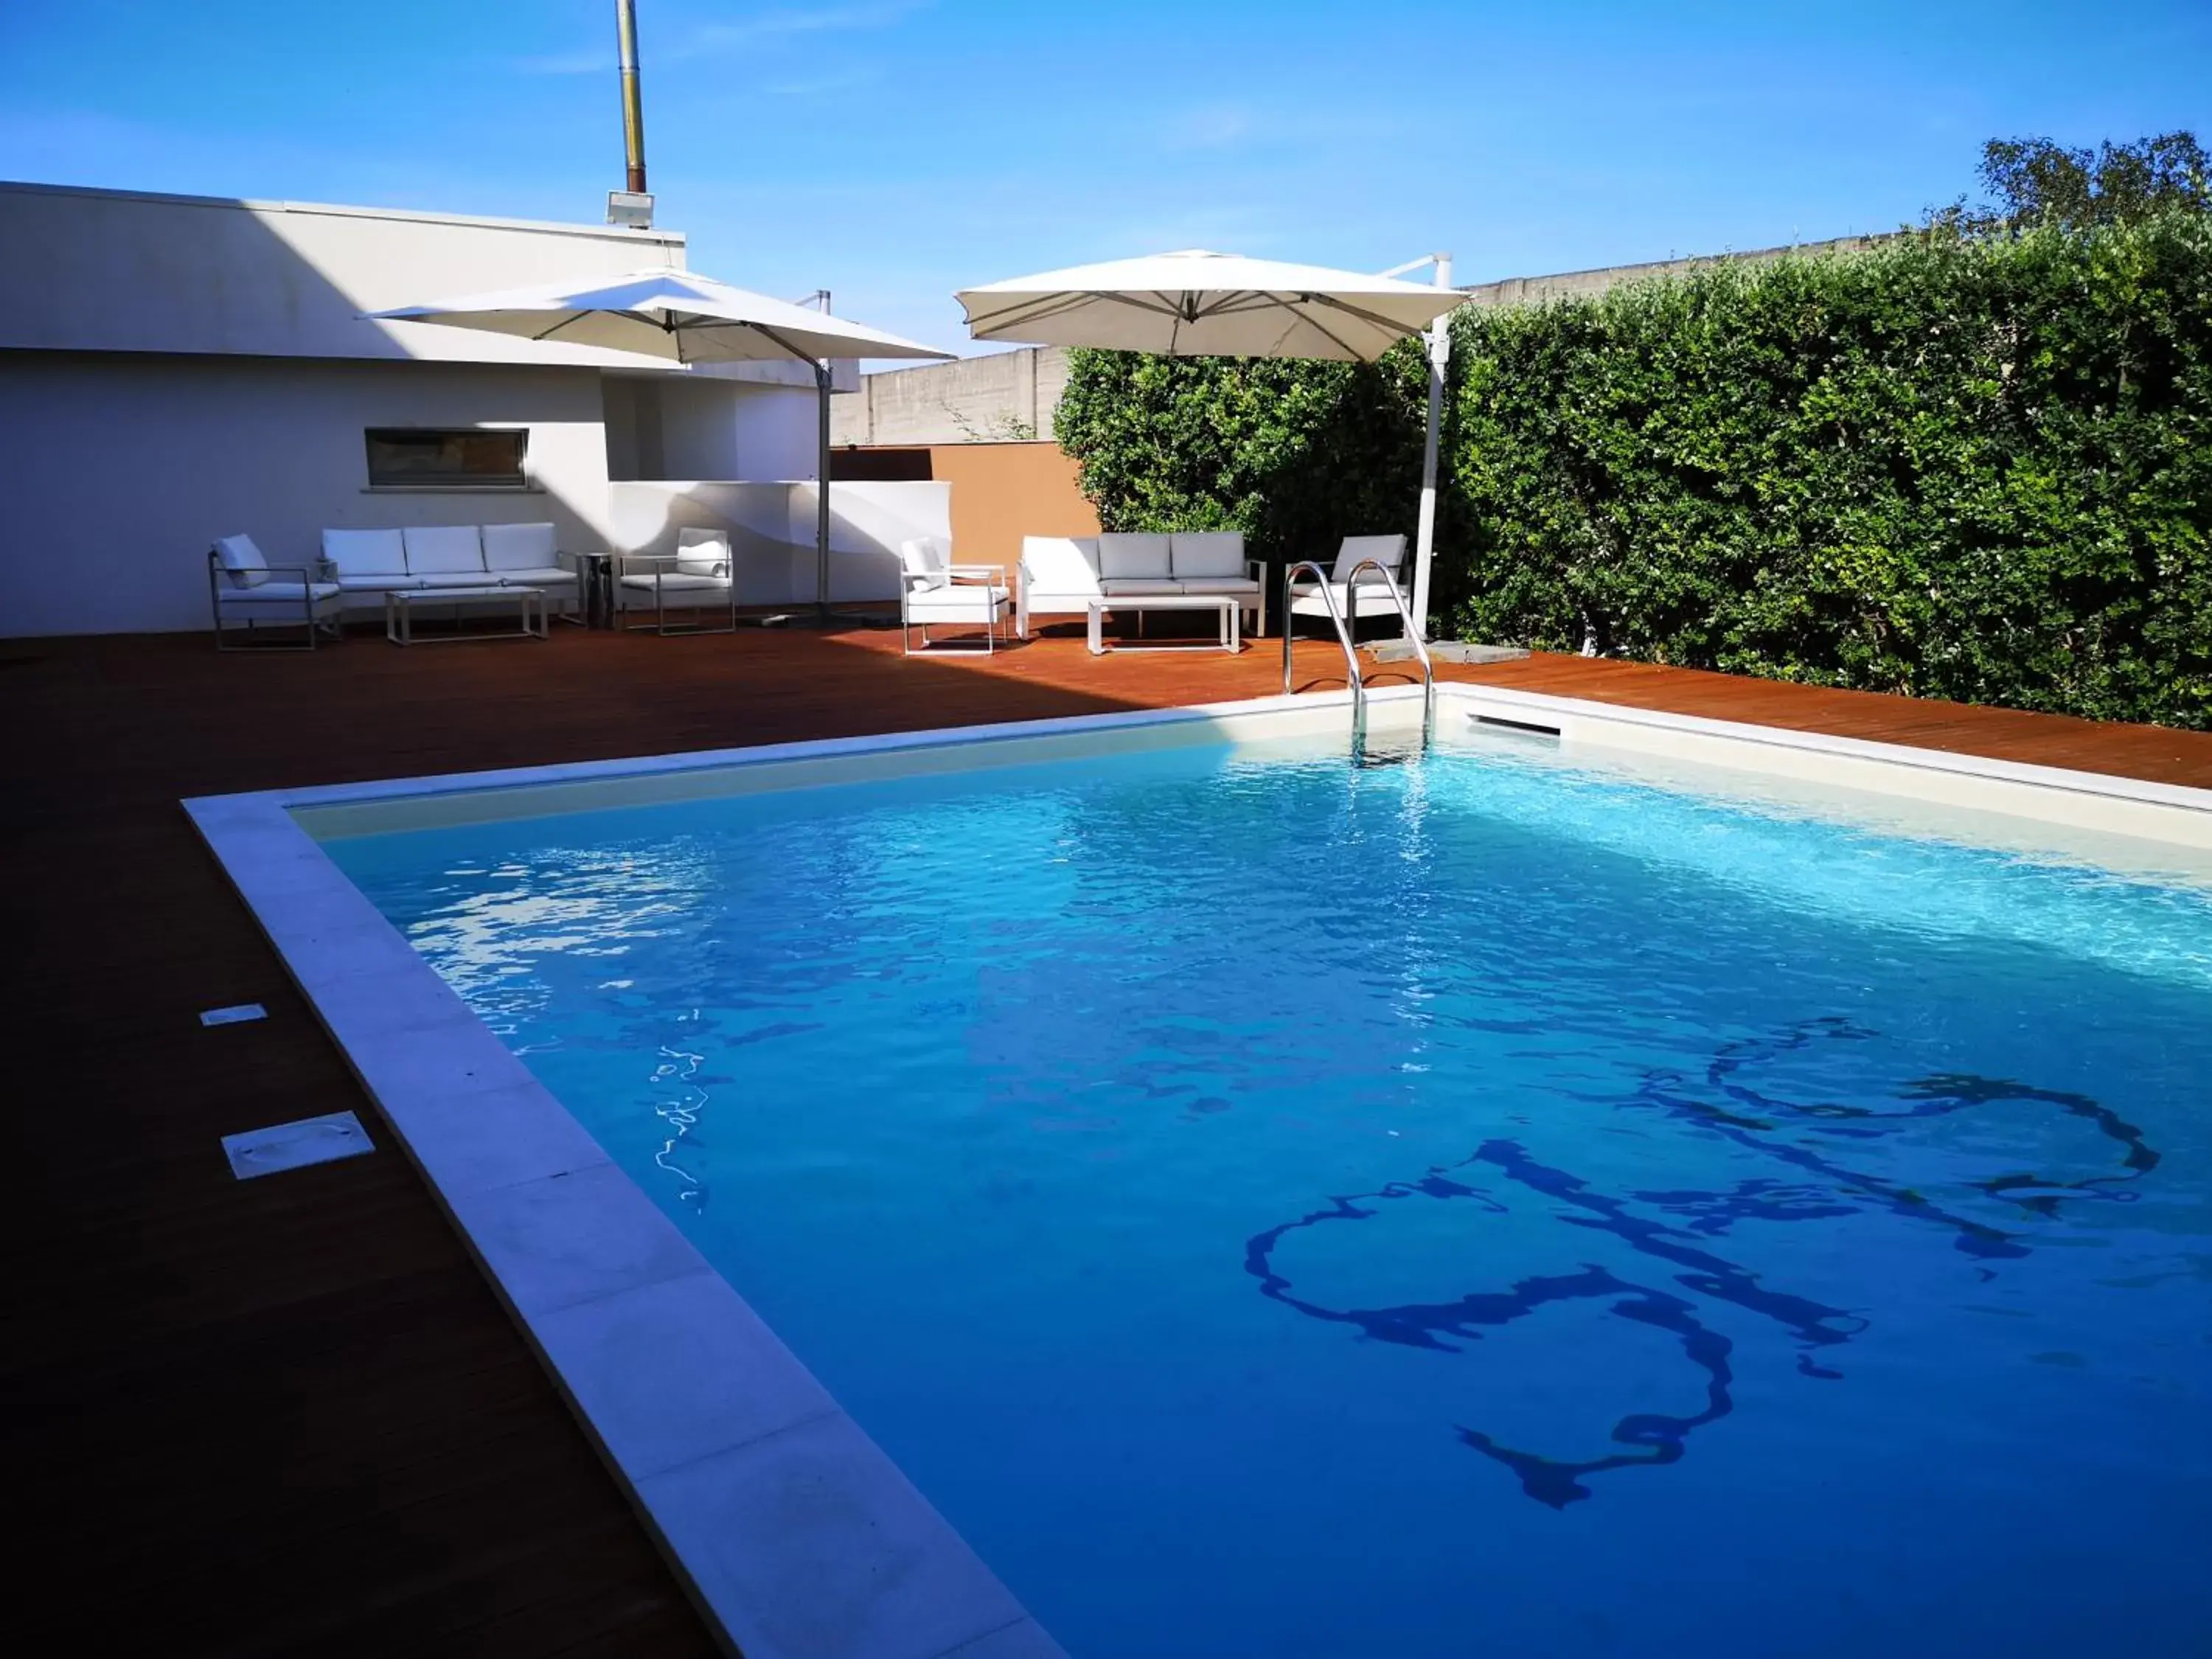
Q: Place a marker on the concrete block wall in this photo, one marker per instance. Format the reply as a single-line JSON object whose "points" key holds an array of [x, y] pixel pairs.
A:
{"points": [[1006, 396]]}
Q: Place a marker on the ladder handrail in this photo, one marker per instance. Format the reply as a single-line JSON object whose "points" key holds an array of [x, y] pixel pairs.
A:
{"points": [[1343, 639], [1412, 633]]}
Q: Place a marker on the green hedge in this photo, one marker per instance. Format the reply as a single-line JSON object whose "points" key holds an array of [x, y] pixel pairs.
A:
{"points": [[1967, 467]]}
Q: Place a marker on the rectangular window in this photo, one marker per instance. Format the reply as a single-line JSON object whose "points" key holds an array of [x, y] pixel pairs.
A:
{"points": [[433, 457]]}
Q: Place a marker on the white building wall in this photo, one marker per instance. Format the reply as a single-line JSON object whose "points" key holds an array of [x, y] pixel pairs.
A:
{"points": [[176, 368], [107, 270], [125, 468], [771, 527], [778, 434], [116, 270], [680, 428]]}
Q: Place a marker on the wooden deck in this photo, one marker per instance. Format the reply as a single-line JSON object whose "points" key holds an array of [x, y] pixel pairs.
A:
{"points": [[287, 1415]]}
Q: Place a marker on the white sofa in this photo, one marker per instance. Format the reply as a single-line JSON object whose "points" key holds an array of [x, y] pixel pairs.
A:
{"points": [[366, 564], [1061, 575]]}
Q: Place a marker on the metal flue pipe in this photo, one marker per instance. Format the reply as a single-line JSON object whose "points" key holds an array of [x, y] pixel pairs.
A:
{"points": [[633, 105]]}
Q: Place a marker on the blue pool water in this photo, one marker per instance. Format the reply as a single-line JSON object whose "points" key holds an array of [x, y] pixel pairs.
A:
{"points": [[1481, 1207]]}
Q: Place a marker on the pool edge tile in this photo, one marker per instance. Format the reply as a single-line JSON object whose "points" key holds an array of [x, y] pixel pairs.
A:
{"points": [[678, 1370], [565, 1239], [1024, 1638], [810, 1544]]}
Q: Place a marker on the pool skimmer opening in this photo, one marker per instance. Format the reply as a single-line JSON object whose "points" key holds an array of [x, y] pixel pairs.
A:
{"points": [[295, 1146]]}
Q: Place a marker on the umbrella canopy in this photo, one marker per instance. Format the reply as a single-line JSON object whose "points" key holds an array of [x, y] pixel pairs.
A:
{"points": [[670, 314], [1197, 304], [680, 317]]}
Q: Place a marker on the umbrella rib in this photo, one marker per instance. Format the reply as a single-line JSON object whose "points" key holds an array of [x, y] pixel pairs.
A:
{"points": [[1053, 304], [803, 357], [1030, 311], [572, 317], [1397, 329], [1326, 333], [1235, 301]]}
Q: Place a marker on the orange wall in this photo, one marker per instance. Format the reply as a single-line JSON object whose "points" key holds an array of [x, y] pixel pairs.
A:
{"points": [[1000, 492]]}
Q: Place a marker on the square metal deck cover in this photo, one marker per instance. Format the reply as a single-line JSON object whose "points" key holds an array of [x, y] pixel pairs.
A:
{"points": [[295, 1146]]}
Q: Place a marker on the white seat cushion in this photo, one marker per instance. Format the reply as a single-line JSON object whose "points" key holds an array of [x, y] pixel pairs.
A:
{"points": [[1131, 587], [511, 547], [1222, 585], [452, 579], [677, 582], [1374, 599], [365, 552], [1064, 565], [1134, 554], [1207, 553], [242, 563], [443, 549], [381, 583], [1389, 551], [553, 575], [963, 602], [293, 594]]}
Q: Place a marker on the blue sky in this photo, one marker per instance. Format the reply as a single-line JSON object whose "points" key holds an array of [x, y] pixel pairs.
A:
{"points": [[892, 150]]}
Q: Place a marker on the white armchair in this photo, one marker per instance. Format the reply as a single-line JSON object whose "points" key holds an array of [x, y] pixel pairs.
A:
{"points": [[698, 577], [934, 592], [245, 590], [1304, 599]]}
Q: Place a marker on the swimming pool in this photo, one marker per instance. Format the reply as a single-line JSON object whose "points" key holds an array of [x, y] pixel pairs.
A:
{"points": [[1502, 1201]]}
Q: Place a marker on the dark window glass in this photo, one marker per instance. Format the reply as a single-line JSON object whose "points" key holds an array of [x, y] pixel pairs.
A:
{"points": [[421, 455]]}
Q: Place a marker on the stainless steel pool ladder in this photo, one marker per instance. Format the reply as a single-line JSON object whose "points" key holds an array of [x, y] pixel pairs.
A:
{"points": [[1344, 625]]}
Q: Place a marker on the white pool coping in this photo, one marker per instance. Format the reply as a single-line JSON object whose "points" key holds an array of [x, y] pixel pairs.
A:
{"points": [[797, 1536]]}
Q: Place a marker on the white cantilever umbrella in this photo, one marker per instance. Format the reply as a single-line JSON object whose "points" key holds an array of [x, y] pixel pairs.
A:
{"points": [[680, 317], [1197, 304]]}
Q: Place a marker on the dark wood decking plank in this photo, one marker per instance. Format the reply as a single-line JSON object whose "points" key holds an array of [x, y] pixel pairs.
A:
{"points": [[288, 1415]]}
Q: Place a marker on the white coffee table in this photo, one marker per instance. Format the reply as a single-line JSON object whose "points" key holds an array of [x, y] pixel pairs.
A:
{"points": [[1224, 606], [400, 602]]}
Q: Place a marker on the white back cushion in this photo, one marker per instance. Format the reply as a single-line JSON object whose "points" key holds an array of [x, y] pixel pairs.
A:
{"points": [[1389, 550], [1061, 564], [922, 558], [444, 549], [366, 552], [1133, 554], [242, 561], [520, 547], [702, 552], [1209, 552]]}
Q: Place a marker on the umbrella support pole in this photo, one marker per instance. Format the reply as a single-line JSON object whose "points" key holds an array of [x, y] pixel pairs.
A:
{"points": [[1425, 529], [820, 615]]}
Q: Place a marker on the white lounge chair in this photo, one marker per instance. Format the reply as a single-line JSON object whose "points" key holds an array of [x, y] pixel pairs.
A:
{"points": [[935, 592], [1304, 597], [699, 576], [244, 589]]}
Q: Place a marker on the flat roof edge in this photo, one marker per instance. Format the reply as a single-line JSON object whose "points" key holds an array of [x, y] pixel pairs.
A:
{"points": [[612, 233]]}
